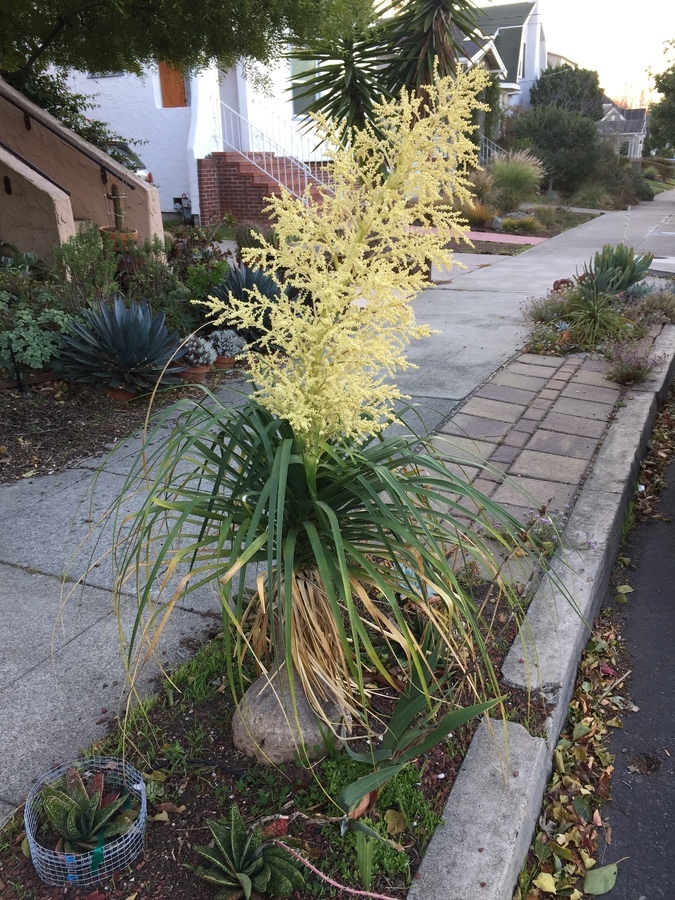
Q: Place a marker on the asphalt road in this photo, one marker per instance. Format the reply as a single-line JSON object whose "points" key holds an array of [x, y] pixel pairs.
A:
{"points": [[642, 810]]}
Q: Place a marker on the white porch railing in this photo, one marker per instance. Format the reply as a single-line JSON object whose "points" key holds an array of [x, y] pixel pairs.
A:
{"points": [[282, 153], [488, 150]]}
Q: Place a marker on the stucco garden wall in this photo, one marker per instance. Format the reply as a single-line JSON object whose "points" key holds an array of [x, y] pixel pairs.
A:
{"points": [[75, 165], [36, 215]]}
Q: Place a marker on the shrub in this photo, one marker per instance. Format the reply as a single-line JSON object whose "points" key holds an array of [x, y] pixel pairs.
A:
{"points": [[593, 316], [86, 265], [656, 308], [592, 195], [520, 225], [629, 365], [120, 347], [31, 328], [651, 172], [549, 339], [482, 184], [548, 309], [515, 178], [477, 214]]}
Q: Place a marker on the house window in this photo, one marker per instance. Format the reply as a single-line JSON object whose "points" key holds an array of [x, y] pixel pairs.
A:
{"points": [[521, 72], [301, 67], [97, 75], [172, 86]]}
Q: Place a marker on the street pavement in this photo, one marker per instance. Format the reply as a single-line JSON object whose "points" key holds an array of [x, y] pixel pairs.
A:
{"points": [[641, 813], [539, 419]]}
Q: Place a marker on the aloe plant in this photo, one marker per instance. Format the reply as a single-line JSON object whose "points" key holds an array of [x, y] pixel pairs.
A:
{"points": [[241, 862], [82, 815], [120, 347], [628, 268]]}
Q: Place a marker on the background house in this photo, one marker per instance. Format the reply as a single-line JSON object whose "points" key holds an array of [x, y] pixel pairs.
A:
{"points": [[518, 36], [625, 129]]}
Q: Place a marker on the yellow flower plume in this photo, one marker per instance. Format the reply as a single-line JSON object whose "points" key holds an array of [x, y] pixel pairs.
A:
{"points": [[353, 260]]}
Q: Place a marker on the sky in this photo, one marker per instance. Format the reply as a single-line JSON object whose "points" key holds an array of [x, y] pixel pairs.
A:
{"points": [[617, 38]]}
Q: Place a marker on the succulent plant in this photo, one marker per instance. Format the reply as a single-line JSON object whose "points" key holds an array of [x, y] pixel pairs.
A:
{"points": [[199, 351], [241, 862], [82, 815], [227, 342], [239, 282], [120, 347]]}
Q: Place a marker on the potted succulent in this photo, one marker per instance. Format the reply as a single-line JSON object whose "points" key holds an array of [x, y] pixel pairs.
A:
{"points": [[200, 355], [86, 821], [121, 350], [228, 344]]}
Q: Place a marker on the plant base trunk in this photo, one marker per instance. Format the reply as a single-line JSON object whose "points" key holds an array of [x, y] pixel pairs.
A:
{"points": [[268, 729]]}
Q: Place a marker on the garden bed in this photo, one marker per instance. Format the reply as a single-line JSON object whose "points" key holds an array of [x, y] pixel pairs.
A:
{"points": [[184, 748], [55, 424]]}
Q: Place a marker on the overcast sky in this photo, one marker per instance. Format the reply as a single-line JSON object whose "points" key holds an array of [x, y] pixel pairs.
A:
{"points": [[617, 38]]}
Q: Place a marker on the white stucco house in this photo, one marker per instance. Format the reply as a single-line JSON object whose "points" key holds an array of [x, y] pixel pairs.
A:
{"points": [[216, 144]]}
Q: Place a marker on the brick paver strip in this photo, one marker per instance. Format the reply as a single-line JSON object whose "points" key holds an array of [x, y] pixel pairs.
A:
{"points": [[549, 394], [584, 408], [493, 409], [530, 369], [526, 425], [589, 376], [579, 391], [485, 485], [550, 466], [557, 384], [563, 444], [536, 415], [476, 427], [541, 492], [595, 365], [516, 438], [592, 428], [542, 403], [463, 448], [513, 379], [505, 393], [505, 454], [554, 362]]}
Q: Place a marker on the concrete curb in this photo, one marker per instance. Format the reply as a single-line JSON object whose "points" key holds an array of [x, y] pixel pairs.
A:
{"points": [[494, 805]]}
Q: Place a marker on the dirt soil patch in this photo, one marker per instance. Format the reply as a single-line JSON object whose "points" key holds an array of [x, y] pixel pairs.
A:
{"points": [[53, 425]]}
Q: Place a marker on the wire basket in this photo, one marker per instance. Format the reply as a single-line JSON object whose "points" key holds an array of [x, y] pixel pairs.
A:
{"points": [[84, 869]]}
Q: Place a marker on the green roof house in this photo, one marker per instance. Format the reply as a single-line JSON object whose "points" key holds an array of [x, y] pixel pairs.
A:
{"points": [[519, 39]]}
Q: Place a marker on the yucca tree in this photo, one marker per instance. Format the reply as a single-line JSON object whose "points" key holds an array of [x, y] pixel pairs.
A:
{"points": [[373, 62], [352, 539], [423, 36]]}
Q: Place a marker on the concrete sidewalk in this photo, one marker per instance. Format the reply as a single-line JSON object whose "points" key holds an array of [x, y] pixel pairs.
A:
{"points": [[539, 420]]}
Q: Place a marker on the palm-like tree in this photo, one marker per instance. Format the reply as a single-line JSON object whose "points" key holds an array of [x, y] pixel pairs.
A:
{"points": [[377, 61]]}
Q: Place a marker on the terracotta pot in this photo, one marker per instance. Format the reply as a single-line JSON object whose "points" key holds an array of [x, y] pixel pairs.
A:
{"points": [[224, 362], [119, 394], [121, 239], [195, 374]]}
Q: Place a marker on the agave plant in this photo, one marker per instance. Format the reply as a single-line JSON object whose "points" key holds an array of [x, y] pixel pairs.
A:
{"points": [[82, 815], [242, 862], [120, 347], [239, 283]]}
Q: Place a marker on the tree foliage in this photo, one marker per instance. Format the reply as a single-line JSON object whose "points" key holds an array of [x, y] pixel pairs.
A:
{"points": [[122, 35], [564, 140], [371, 61], [662, 114], [569, 88]]}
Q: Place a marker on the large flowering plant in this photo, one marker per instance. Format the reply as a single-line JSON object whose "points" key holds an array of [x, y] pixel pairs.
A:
{"points": [[350, 541]]}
